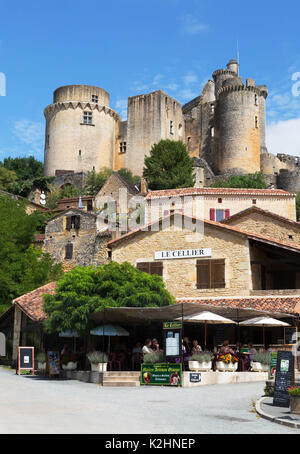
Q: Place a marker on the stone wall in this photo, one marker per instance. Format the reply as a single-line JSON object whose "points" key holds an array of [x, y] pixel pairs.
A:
{"points": [[180, 275]]}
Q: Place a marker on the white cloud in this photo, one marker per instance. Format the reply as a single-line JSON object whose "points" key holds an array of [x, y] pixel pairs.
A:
{"points": [[284, 137], [32, 135], [190, 78], [192, 26]]}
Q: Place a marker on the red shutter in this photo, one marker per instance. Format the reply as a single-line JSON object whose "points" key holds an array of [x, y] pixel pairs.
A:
{"points": [[212, 214], [227, 214]]}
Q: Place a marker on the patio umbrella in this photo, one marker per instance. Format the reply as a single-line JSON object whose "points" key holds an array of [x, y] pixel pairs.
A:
{"points": [[70, 333], [264, 322], [207, 317], [109, 330]]}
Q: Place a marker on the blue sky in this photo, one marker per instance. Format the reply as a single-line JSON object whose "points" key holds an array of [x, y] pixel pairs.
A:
{"points": [[130, 47]]}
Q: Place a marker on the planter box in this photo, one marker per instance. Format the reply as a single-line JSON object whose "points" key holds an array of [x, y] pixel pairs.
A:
{"points": [[259, 367], [99, 367], [295, 404], [222, 367], [200, 367], [70, 366]]}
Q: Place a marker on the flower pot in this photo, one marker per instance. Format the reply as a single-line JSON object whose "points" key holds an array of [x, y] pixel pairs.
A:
{"points": [[223, 367], [41, 366], [295, 404], [199, 367], [259, 367], [70, 366], [99, 367]]}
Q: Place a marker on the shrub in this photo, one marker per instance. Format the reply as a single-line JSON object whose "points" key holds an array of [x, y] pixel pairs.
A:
{"points": [[152, 358], [262, 357], [294, 391], [97, 357], [41, 357], [202, 357]]}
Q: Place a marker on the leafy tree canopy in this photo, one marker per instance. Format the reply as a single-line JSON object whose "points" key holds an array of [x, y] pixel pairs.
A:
{"points": [[23, 268], [128, 176], [298, 206], [255, 180], [56, 193], [169, 166], [85, 290], [96, 180]]}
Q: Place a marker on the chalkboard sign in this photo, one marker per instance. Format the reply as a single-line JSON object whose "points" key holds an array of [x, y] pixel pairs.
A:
{"points": [[284, 378], [25, 359], [290, 335]]}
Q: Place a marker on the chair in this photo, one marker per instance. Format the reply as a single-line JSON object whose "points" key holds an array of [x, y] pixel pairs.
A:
{"points": [[136, 358]]}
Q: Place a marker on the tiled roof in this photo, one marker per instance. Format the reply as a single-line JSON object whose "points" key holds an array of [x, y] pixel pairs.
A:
{"points": [[218, 191], [272, 304], [32, 303], [256, 209], [39, 238], [76, 199], [250, 235]]}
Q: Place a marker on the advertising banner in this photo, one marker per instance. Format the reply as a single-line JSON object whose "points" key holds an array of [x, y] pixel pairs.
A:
{"points": [[161, 374], [273, 362]]}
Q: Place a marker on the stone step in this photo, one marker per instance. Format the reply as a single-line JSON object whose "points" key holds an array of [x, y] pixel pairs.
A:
{"points": [[122, 374], [121, 383], [125, 379]]}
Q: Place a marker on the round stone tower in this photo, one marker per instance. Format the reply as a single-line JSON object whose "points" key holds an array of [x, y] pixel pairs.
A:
{"points": [[238, 126], [80, 130]]}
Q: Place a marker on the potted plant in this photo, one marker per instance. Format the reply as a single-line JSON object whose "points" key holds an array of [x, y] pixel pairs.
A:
{"points": [[42, 361], [227, 363], [69, 362], [153, 358], [294, 392], [201, 362], [98, 361], [261, 362]]}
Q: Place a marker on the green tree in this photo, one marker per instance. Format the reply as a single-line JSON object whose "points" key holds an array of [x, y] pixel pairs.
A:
{"points": [[128, 176], [23, 268], [8, 179], [96, 180], [255, 180], [169, 166], [298, 206], [85, 290], [56, 193]]}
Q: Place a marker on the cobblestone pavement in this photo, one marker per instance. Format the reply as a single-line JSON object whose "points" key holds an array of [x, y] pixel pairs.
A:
{"points": [[32, 405]]}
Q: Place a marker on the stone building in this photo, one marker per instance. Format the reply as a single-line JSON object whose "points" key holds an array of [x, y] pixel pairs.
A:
{"points": [[226, 261], [76, 237], [224, 127]]}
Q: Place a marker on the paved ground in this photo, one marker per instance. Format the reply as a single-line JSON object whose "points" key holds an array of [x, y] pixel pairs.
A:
{"points": [[280, 413], [30, 405]]}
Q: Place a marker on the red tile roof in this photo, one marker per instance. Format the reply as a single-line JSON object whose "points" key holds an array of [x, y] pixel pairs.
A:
{"points": [[272, 304], [219, 191], [250, 235], [32, 303], [256, 209]]}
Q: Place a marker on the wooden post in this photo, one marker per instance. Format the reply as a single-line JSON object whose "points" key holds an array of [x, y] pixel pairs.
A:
{"points": [[17, 332]]}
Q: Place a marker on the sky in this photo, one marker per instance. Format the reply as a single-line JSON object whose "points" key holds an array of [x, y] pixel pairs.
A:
{"points": [[129, 47]]}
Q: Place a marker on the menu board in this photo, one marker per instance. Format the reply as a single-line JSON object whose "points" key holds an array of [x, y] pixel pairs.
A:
{"points": [[25, 359], [273, 362], [53, 363], [283, 378]]}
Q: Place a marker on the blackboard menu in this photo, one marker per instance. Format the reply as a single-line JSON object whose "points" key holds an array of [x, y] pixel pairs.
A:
{"points": [[283, 378], [25, 359]]}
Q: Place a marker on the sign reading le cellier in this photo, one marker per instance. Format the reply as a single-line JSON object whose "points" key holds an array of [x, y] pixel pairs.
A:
{"points": [[182, 254]]}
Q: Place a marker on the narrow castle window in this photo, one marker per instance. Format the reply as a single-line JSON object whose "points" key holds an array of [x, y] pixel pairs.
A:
{"points": [[256, 100], [79, 153], [212, 108], [95, 98], [256, 122], [87, 118], [123, 147], [171, 127], [189, 143], [212, 132]]}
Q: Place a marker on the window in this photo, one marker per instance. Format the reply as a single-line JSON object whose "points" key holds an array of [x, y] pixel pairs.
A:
{"points": [[95, 98], [89, 205], [79, 153], [123, 147], [73, 222], [256, 122], [87, 118], [189, 143], [290, 237], [171, 127], [254, 202], [218, 215], [255, 102], [219, 200], [47, 140], [69, 251], [212, 108], [151, 267], [212, 132], [210, 274]]}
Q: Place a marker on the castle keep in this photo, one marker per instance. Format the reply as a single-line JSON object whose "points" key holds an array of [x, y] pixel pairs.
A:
{"points": [[224, 129]]}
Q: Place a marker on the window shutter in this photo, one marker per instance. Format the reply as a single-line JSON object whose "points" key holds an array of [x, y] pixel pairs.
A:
{"points": [[69, 251], [212, 214], [218, 273], [203, 275], [77, 222], [156, 268], [144, 266], [227, 214], [69, 223]]}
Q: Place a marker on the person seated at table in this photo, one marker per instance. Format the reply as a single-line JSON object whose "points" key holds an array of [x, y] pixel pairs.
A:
{"points": [[225, 349], [155, 346], [251, 351], [237, 347], [147, 347], [137, 348], [196, 347]]}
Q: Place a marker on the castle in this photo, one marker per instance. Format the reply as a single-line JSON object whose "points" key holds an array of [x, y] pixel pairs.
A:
{"points": [[224, 130]]}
